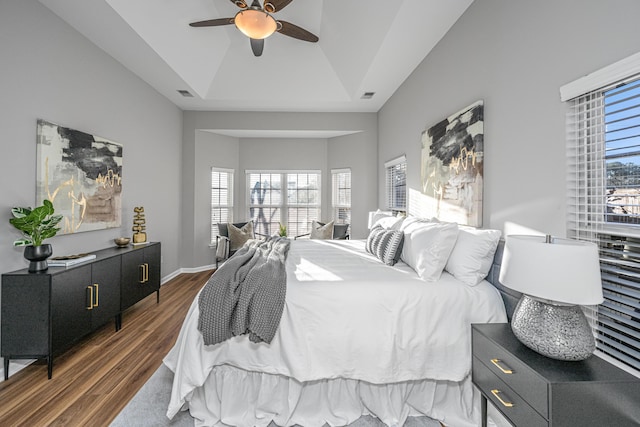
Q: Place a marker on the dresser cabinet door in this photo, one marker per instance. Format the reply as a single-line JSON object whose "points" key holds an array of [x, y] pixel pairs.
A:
{"points": [[105, 278], [25, 314], [140, 274], [70, 306]]}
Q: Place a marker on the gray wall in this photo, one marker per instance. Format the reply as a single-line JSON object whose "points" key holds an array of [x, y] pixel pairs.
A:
{"points": [[514, 55], [50, 71], [203, 149]]}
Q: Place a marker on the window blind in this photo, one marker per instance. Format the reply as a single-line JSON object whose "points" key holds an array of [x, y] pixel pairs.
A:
{"points": [[290, 198], [341, 195], [396, 184], [221, 199], [603, 182]]}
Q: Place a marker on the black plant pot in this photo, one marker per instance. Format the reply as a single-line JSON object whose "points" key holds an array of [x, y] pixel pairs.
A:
{"points": [[38, 256]]}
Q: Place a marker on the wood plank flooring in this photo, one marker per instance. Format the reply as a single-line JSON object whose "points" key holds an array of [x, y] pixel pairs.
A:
{"points": [[96, 378]]}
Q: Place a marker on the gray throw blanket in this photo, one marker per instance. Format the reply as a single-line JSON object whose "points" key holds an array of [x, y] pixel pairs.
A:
{"points": [[246, 294]]}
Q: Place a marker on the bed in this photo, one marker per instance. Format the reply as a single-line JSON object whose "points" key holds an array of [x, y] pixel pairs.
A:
{"points": [[357, 337]]}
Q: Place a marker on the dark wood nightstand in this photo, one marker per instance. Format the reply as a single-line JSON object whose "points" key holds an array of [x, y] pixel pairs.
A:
{"points": [[533, 390]]}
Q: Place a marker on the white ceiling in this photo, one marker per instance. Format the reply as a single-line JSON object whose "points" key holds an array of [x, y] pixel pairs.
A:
{"points": [[364, 46]]}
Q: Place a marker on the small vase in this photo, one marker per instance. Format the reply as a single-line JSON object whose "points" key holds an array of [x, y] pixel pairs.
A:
{"points": [[37, 255]]}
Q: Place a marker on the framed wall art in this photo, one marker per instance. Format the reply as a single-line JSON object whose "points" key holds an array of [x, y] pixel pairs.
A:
{"points": [[452, 166], [82, 176]]}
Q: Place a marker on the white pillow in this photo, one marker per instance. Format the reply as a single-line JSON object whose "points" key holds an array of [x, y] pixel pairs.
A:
{"points": [[389, 222], [412, 221], [375, 216], [472, 256], [427, 246]]}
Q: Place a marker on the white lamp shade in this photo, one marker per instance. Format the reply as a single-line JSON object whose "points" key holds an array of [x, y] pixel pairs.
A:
{"points": [[565, 271]]}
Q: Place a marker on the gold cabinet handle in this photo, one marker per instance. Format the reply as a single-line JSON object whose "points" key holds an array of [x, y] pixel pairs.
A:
{"points": [[504, 370], [96, 287], [146, 272], [90, 306], [141, 273], [496, 393]]}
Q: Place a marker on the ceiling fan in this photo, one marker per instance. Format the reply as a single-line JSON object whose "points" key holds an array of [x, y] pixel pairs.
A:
{"points": [[257, 23]]}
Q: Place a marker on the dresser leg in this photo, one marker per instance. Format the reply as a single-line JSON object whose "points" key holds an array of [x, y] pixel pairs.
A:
{"points": [[483, 410], [6, 368], [50, 366]]}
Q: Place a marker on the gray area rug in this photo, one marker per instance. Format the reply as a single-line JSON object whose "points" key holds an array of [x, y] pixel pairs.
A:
{"points": [[149, 405]]}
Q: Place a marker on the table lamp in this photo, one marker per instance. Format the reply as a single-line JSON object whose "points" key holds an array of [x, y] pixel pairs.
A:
{"points": [[555, 277]]}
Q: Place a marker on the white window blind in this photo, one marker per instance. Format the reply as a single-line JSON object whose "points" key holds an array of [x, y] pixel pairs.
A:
{"points": [[396, 184], [294, 204], [341, 195], [221, 199], [603, 152]]}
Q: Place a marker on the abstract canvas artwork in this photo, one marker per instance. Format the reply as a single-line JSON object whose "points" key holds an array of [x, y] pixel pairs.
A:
{"points": [[452, 166], [82, 176]]}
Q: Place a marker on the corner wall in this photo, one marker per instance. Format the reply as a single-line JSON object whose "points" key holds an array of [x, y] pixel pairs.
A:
{"points": [[514, 55], [52, 72]]}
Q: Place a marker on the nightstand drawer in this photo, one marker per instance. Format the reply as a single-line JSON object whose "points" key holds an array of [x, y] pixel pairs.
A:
{"points": [[504, 398], [522, 379]]}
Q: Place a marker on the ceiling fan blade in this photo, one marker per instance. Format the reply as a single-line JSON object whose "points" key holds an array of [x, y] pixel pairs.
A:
{"points": [[240, 3], [272, 6], [257, 46], [291, 30], [212, 22]]}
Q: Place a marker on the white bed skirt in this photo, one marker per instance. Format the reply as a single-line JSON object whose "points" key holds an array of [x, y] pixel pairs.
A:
{"points": [[235, 397]]}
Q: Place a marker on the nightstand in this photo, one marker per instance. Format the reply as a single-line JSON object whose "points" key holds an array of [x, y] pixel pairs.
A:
{"points": [[533, 390]]}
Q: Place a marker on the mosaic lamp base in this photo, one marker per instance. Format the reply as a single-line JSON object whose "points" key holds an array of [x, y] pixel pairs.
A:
{"points": [[556, 331]]}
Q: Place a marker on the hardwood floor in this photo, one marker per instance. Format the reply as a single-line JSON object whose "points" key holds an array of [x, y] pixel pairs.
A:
{"points": [[96, 378]]}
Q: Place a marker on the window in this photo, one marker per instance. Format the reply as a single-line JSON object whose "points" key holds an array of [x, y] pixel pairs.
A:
{"points": [[397, 184], [341, 195], [603, 152], [221, 199], [294, 205]]}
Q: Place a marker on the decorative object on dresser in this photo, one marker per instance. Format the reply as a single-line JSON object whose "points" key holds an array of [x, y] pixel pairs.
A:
{"points": [[139, 227], [36, 225], [555, 276], [81, 174], [122, 242], [45, 313], [532, 390]]}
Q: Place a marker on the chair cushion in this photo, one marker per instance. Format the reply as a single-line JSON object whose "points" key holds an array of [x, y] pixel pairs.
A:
{"points": [[321, 231], [340, 231], [239, 236]]}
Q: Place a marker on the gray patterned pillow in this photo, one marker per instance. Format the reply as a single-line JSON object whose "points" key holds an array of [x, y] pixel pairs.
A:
{"points": [[239, 236], [386, 245], [321, 231]]}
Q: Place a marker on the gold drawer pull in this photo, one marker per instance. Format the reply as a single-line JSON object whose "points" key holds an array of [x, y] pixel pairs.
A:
{"points": [[504, 370], [496, 392]]}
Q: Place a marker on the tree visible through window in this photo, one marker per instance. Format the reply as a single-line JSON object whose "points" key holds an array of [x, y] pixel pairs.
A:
{"points": [[622, 138], [295, 204]]}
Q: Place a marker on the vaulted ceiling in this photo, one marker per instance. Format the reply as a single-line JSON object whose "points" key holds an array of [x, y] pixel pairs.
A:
{"points": [[364, 46]]}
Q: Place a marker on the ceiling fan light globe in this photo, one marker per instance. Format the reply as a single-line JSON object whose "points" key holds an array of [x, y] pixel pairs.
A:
{"points": [[255, 24]]}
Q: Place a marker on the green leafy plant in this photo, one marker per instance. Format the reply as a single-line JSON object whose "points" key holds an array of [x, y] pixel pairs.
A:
{"points": [[36, 224], [282, 231]]}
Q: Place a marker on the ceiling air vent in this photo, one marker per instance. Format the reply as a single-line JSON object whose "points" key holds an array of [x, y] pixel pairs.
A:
{"points": [[185, 93], [367, 95]]}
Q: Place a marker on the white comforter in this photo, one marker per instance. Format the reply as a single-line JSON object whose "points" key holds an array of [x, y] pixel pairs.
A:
{"points": [[347, 315]]}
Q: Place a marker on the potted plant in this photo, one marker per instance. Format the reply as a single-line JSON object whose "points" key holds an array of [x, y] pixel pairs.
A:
{"points": [[282, 231], [36, 225]]}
